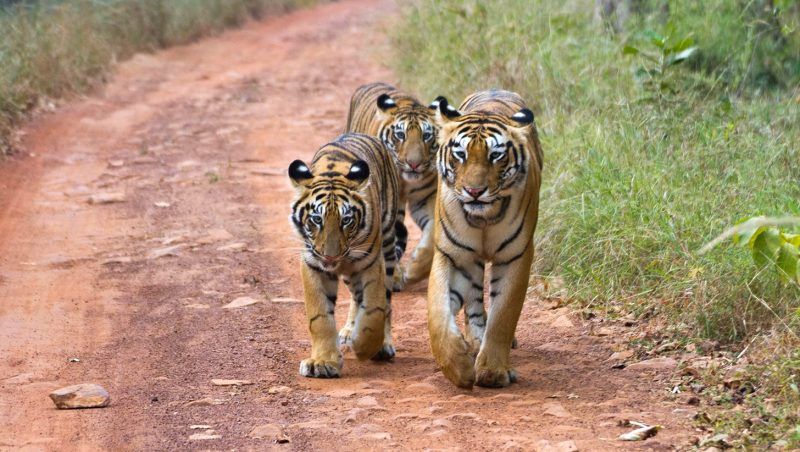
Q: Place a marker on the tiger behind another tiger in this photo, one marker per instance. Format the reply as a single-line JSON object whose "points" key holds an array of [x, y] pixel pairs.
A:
{"points": [[345, 212], [490, 167], [407, 130]]}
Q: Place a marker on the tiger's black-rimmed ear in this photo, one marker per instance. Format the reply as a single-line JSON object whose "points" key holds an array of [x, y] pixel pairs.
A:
{"points": [[299, 172], [385, 102], [359, 172], [447, 110], [523, 117], [435, 104]]}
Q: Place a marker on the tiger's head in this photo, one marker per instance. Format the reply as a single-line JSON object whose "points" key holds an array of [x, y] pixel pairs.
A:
{"points": [[482, 156], [408, 131], [330, 211]]}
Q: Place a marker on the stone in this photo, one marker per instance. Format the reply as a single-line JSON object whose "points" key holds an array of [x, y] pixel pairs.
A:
{"points": [[199, 427], [555, 347], [237, 246], [21, 379], [272, 432], [657, 364], [164, 252], [161, 204], [116, 163], [204, 402], [562, 321], [457, 416], [367, 401], [117, 260], [555, 409], [240, 303], [285, 300], [223, 382], [86, 395], [279, 390], [621, 356], [604, 331], [204, 436], [106, 198]]}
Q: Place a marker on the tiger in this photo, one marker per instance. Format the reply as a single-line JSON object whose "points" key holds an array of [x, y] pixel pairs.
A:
{"points": [[407, 130], [345, 212], [490, 168]]}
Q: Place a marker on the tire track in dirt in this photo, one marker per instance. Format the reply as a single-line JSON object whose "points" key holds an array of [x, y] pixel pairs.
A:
{"points": [[209, 129]]}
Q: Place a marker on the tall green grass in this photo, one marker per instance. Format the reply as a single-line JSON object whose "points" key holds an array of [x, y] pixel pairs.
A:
{"points": [[49, 48], [633, 187]]}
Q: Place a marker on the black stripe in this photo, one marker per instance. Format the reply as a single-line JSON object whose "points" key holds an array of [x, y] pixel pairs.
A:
{"points": [[459, 298], [453, 239]]}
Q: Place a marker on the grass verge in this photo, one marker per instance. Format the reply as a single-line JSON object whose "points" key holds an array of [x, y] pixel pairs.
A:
{"points": [[638, 176], [50, 48]]}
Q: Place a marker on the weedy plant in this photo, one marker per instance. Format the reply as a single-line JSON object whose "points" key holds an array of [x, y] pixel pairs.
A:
{"points": [[655, 73]]}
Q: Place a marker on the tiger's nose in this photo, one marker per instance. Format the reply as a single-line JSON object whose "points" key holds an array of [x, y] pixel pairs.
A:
{"points": [[413, 165], [475, 192]]}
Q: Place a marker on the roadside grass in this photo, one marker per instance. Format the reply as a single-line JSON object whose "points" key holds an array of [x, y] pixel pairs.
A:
{"points": [[636, 183], [51, 48]]}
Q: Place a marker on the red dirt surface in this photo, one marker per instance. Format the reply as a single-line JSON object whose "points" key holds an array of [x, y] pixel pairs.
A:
{"points": [[209, 129]]}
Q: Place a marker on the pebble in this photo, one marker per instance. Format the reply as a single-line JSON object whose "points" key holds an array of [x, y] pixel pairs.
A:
{"points": [[118, 260], [205, 402], [562, 322], [278, 390], [367, 401], [161, 204], [660, 363], [223, 382], [106, 198], [620, 356], [164, 252], [86, 395], [199, 427], [240, 303], [203, 436], [555, 409], [20, 379], [237, 246], [271, 432]]}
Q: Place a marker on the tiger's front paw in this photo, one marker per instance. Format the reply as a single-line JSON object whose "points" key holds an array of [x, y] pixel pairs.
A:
{"points": [[398, 279], [495, 378], [314, 368], [386, 353]]}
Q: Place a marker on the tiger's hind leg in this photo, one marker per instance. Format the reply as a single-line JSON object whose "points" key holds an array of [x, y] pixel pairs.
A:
{"points": [[319, 289], [400, 238], [391, 260], [422, 211]]}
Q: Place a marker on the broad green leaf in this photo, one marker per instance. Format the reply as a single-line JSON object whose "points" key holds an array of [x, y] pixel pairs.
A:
{"points": [[680, 57], [684, 44], [655, 38], [794, 239], [787, 262], [746, 236], [630, 50], [766, 246]]}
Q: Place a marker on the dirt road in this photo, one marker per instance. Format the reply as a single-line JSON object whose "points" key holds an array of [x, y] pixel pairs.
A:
{"points": [[197, 139]]}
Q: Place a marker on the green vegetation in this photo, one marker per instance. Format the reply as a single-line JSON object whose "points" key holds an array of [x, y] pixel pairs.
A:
{"points": [[651, 149], [49, 48]]}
